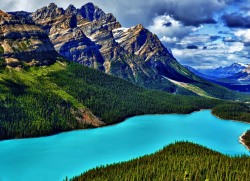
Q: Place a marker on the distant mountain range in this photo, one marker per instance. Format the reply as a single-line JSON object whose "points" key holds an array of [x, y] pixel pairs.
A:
{"points": [[224, 72], [235, 76], [242, 76]]}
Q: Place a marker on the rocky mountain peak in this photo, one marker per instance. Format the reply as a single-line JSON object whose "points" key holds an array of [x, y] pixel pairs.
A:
{"points": [[91, 12], [140, 27], [247, 69], [6, 18], [23, 17], [71, 9], [52, 6], [50, 11], [3, 14], [89, 5]]}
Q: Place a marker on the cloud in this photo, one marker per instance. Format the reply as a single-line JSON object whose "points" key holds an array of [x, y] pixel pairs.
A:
{"points": [[236, 20], [215, 37], [171, 34], [199, 11], [225, 32], [211, 58], [177, 29], [212, 53], [192, 47], [197, 39], [243, 36], [229, 39], [168, 24]]}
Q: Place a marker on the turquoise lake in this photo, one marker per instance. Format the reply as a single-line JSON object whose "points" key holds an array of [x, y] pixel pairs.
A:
{"points": [[68, 154]]}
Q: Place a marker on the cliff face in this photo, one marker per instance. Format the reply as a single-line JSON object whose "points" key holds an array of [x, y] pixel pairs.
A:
{"points": [[146, 45], [80, 34], [95, 39], [22, 41]]}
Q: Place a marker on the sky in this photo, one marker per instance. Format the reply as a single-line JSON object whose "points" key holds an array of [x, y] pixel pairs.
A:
{"points": [[200, 33]]}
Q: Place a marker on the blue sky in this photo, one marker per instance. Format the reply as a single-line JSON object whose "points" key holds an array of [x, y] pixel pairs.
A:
{"points": [[200, 33]]}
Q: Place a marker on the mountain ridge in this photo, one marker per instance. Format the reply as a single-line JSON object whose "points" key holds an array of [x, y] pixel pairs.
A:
{"points": [[242, 76], [238, 81], [224, 72], [87, 35]]}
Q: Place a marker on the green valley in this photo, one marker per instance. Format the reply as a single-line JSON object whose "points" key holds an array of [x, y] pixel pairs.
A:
{"points": [[45, 100]]}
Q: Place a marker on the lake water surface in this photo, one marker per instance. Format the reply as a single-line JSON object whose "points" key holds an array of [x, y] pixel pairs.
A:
{"points": [[68, 154]]}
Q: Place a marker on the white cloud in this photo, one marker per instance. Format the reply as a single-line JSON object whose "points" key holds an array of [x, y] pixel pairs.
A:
{"points": [[243, 35], [176, 30], [235, 47], [169, 40], [196, 39], [219, 54]]}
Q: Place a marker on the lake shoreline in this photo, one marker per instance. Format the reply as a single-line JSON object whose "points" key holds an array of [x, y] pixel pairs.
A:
{"points": [[242, 141], [121, 120], [134, 138]]}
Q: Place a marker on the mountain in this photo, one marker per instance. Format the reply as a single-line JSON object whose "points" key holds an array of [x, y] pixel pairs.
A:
{"points": [[96, 39], [242, 76], [196, 72], [238, 82], [41, 93], [223, 72], [90, 38]]}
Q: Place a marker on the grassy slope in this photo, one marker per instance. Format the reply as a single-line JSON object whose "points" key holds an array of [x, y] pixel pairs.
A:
{"points": [[180, 161], [44, 100], [202, 87]]}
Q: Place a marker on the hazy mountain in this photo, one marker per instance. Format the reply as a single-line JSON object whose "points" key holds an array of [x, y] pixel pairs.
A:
{"points": [[242, 76], [223, 72], [196, 72], [238, 81]]}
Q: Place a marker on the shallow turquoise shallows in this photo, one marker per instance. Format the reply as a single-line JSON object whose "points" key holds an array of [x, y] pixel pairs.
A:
{"points": [[69, 154]]}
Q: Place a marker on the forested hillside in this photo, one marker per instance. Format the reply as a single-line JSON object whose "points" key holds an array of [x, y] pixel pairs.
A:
{"points": [[180, 161], [36, 101]]}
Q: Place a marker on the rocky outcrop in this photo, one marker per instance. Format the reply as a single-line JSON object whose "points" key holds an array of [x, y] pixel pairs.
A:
{"points": [[91, 12], [23, 42], [87, 118]]}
